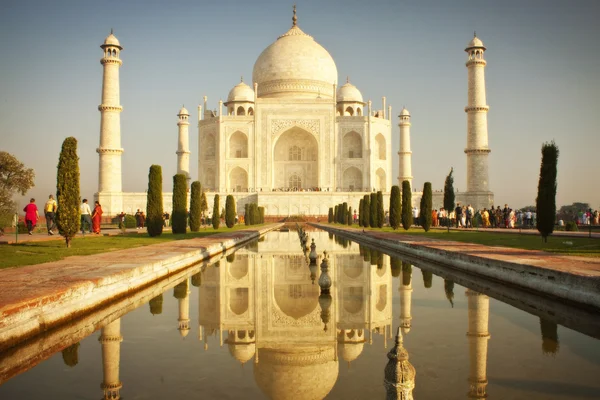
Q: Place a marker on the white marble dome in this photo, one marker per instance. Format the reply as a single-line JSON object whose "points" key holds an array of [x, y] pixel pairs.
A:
{"points": [[183, 111], [349, 93], [404, 113], [475, 42], [295, 65], [241, 92], [111, 40]]}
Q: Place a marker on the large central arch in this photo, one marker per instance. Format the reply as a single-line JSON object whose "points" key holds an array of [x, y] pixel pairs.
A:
{"points": [[295, 160]]}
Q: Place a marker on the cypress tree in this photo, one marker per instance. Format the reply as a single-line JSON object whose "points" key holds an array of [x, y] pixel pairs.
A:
{"points": [[252, 214], [449, 196], [154, 204], [195, 206], [360, 212], [406, 273], [330, 215], [396, 266], [67, 191], [545, 202], [407, 217], [395, 207], [427, 278], [247, 214], [344, 213], [449, 290], [156, 304], [373, 211], [255, 214], [70, 355], [367, 211], [203, 204], [261, 215], [380, 212], [229, 211], [335, 214], [426, 206], [180, 291], [374, 256], [216, 220], [350, 218], [179, 203]]}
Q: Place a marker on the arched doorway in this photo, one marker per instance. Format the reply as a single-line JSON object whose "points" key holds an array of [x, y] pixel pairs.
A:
{"points": [[352, 179], [295, 162], [238, 180], [380, 150], [238, 145], [380, 180]]}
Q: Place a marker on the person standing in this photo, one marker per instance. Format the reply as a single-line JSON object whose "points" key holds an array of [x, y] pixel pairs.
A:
{"points": [[458, 214], [138, 219], [31, 215], [96, 218], [469, 221], [50, 212], [86, 216]]}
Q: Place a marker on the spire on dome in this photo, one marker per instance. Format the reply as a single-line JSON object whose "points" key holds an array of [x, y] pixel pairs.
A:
{"points": [[294, 18], [111, 31], [242, 79], [474, 34], [347, 79]]}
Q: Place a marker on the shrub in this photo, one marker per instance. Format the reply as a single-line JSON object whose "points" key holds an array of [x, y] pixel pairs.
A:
{"points": [[546, 199], [130, 221], [367, 211], [216, 220], [336, 214], [449, 195], [395, 207], [230, 211], [380, 212], [67, 191], [373, 211], [330, 215], [195, 206], [179, 224], [154, 205], [255, 214], [426, 206], [344, 216], [261, 215], [571, 226], [407, 217]]}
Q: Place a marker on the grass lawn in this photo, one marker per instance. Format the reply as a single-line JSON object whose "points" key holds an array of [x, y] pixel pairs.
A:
{"points": [[574, 246], [30, 253]]}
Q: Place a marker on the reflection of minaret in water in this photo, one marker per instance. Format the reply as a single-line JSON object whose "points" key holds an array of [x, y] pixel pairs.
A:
{"points": [[182, 293], [110, 340], [478, 335], [550, 344], [405, 290], [399, 374]]}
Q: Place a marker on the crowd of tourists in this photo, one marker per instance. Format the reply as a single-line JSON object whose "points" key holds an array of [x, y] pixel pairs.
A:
{"points": [[465, 216]]}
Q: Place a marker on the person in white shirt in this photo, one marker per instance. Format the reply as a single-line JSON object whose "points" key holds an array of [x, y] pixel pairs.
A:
{"points": [[86, 216]]}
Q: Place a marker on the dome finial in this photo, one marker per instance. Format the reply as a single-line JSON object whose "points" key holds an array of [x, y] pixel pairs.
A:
{"points": [[294, 18], [111, 31], [474, 34], [347, 79], [242, 79]]}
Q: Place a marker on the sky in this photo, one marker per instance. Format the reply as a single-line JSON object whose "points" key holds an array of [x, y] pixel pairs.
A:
{"points": [[542, 80]]}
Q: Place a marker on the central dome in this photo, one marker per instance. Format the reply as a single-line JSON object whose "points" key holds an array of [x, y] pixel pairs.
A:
{"points": [[295, 66]]}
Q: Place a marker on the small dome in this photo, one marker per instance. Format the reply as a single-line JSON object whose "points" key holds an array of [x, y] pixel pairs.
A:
{"points": [[241, 92], [404, 113], [183, 111], [475, 43], [111, 40], [184, 332], [349, 92], [351, 351], [243, 352]]}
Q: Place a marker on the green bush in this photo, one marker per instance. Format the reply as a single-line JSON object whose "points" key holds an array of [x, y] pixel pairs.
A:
{"points": [[571, 226], [195, 206], [216, 220], [395, 265], [67, 191], [154, 205], [230, 211], [255, 214], [179, 224]]}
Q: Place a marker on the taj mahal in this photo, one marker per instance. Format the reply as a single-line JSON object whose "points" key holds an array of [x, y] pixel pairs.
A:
{"points": [[295, 142]]}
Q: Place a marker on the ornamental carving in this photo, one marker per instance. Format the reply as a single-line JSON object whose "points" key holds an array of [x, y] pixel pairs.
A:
{"points": [[104, 107], [280, 319], [280, 125], [109, 151], [477, 108]]}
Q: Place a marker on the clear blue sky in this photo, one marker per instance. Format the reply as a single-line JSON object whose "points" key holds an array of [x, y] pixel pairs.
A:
{"points": [[543, 80]]}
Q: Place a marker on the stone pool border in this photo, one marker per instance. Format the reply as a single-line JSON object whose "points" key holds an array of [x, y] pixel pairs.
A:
{"points": [[570, 280], [52, 299]]}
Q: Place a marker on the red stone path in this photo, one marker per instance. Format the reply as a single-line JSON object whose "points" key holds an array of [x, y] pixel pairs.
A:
{"points": [[582, 233]]}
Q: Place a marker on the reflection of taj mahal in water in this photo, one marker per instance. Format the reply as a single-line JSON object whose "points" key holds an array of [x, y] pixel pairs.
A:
{"points": [[263, 305], [294, 142]]}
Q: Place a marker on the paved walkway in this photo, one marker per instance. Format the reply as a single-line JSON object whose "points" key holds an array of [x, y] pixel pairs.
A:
{"points": [[36, 297], [583, 233], [41, 235]]}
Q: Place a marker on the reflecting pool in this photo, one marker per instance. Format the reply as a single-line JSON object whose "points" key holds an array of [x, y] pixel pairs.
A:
{"points": [[256, 324]]}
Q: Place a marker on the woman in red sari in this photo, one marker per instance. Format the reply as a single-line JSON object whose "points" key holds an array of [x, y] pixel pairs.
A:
{"points": [[31, 216], [96, 216]]}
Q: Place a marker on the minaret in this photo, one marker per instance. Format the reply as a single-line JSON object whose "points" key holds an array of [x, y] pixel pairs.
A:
{"points": [[478, 335], [399, 373], [182, 293], [405, 155], [477, 149], [110, 340], [109, 181], [405, 289], [183, 143]]}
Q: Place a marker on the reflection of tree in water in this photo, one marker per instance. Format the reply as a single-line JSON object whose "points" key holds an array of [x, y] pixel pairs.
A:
{"points": [[180, 290], [197, 279], [374, 256], [230, 258], [366, 254], [427, 278], [396, 266], [330, 235], [70, 355], [406, 273], [550, 344], [156, 304], [449, 289]]}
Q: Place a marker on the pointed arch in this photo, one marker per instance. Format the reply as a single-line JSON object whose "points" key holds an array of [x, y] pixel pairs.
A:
{"points": [[238, 300], [349, 111], [380, 179], [380, 147], [352, 179], [238, 145], [241, 111], [295, 154], [352, 145], [238, 179]]}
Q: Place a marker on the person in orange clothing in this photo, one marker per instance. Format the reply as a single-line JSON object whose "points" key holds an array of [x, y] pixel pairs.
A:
{"points": [[96, 218], [434, 219]]}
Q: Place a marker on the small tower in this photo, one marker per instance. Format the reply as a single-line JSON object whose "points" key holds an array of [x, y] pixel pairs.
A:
{"points": [[182, 293], [405, 289], [110, 151], [405, 155], [478, 335], [110, 339], [183, 143], [477, 149], [399, 374]]}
